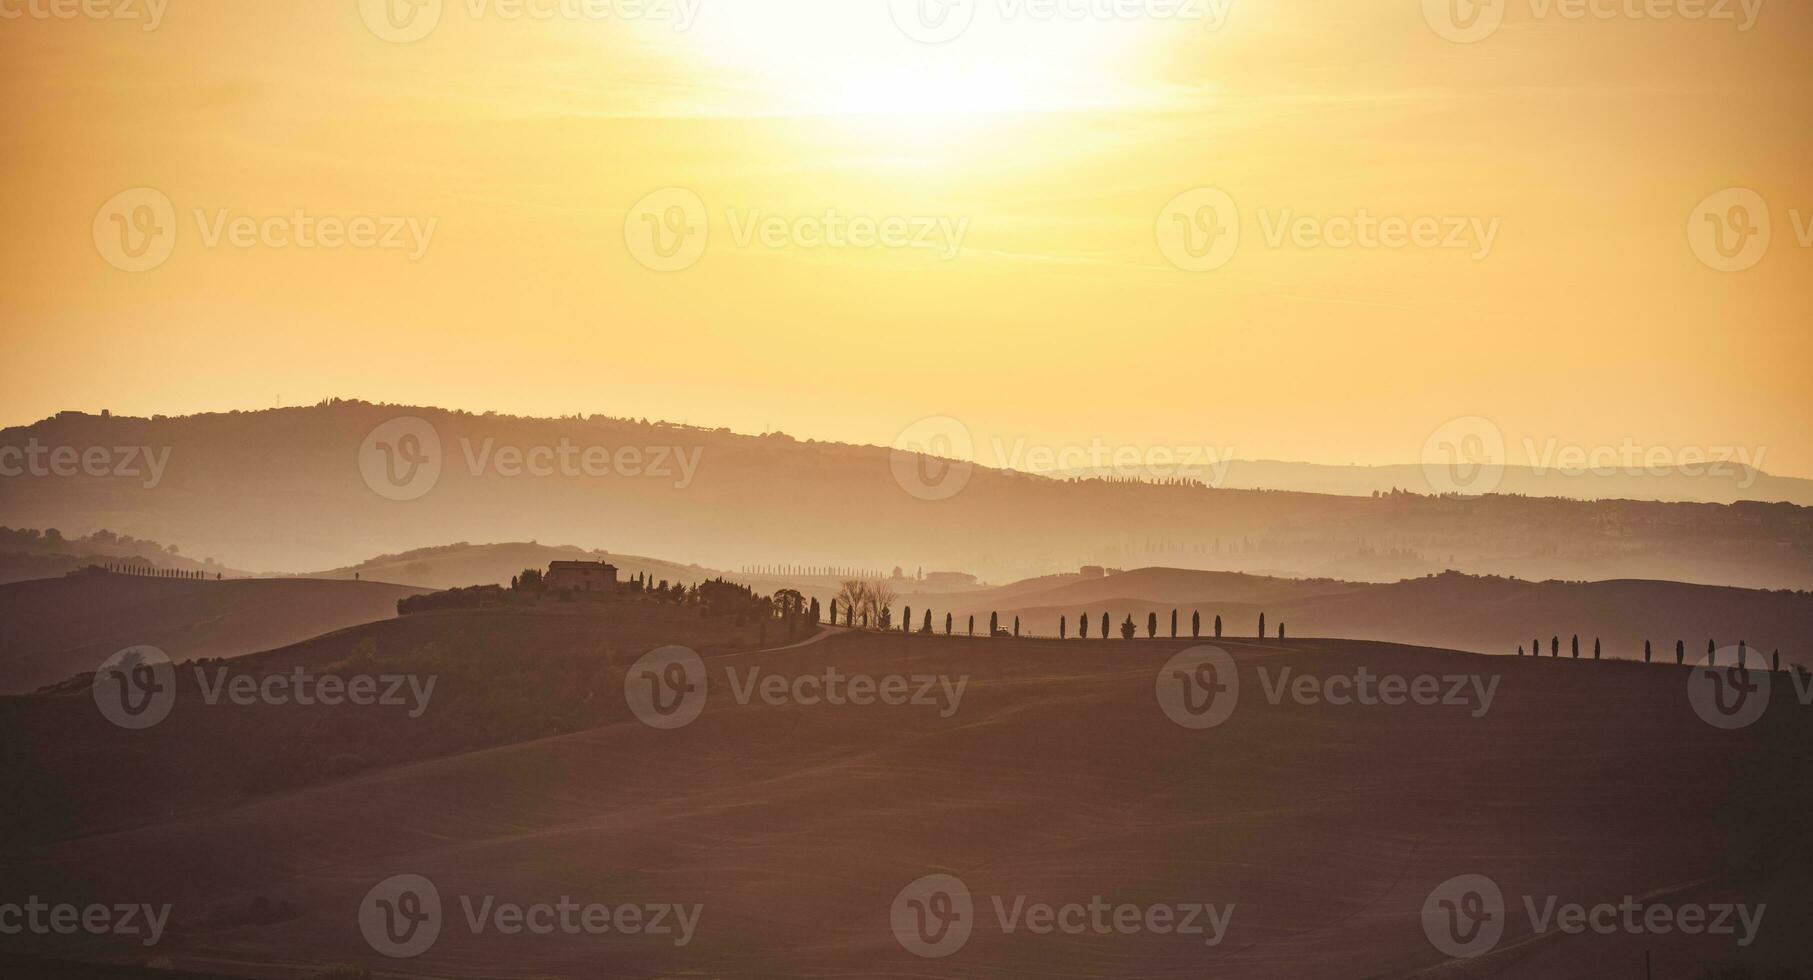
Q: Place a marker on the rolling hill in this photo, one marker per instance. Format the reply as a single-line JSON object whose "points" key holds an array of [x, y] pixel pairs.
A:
{"points": [[795, 827], [53, 628], [287, 489], [1451, 611]]}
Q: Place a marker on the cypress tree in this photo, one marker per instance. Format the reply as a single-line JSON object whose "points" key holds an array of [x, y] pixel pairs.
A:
{"points": [[1712, 653], [1576, 646], [1280, 632], [1063, 628], [1196, 624], [906, 620], [1217, 627], [1105, 635], [947, 624], [972, 624], [1680, 651], [1152, 625], [928, 623], [1595, 648], [1082, 626], [994, 624], [1016, 627], [1173, 624], [1646, 656], [1262, 626]]}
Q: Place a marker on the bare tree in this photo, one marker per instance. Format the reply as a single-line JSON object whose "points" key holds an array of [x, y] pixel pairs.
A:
{"points": [[881, 601]]}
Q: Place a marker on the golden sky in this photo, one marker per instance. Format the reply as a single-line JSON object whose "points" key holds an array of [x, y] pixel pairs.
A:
{"points": [[525, 154]]}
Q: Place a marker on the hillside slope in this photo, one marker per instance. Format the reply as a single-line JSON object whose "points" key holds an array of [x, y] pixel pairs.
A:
{"points": [[1057, 779], [287, 489], [53, 628]]}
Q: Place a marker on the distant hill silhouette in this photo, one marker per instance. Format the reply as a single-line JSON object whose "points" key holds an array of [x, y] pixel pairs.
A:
{"points": [[1453, 611], [282, 490]]}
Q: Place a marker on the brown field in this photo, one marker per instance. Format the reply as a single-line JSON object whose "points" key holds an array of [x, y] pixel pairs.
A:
{"points": [[57, 627], [1058, 779]]}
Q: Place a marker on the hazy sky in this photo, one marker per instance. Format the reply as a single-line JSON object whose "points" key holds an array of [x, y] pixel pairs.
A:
{"points": [[1036, 157]]}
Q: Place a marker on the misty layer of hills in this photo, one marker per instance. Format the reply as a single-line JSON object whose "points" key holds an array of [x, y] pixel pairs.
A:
{"points": [[283, 490]]}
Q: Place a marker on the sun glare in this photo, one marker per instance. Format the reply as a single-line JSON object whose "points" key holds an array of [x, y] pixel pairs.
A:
{"points": [[835, 58]]}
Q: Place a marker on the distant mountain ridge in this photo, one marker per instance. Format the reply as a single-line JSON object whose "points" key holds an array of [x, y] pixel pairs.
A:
{"points": [[284, 490]]}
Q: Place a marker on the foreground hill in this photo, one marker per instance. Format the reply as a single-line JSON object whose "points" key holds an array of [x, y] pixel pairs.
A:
{"points": [[288, 489], [53, 628], [1054, 778]]}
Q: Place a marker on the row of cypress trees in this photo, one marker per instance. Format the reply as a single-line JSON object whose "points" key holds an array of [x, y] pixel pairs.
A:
{"points": [[1712, 652]]}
